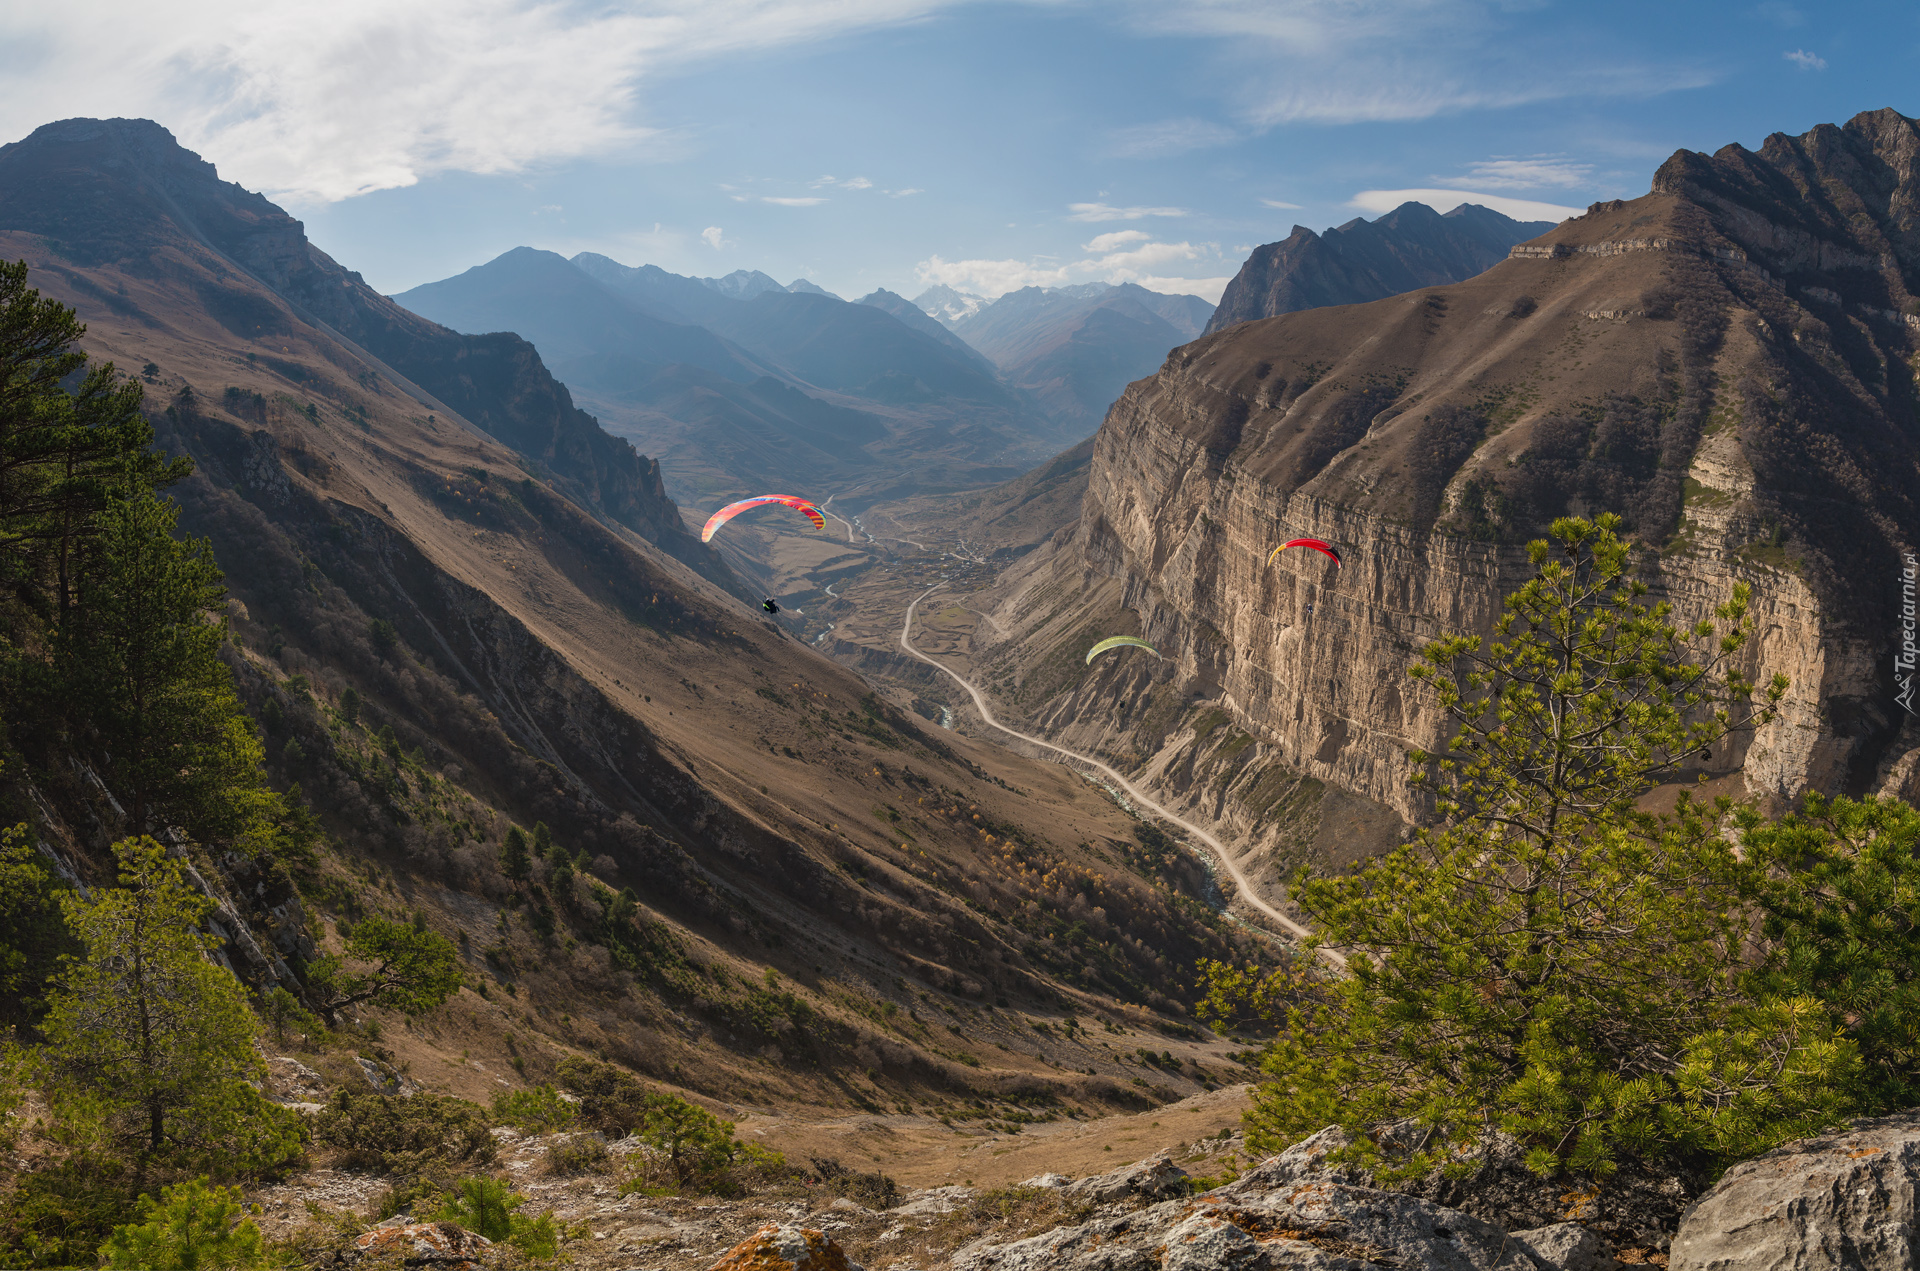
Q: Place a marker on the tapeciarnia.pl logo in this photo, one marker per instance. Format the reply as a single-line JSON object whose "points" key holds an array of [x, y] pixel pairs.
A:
{"points": [[1903, 661]]}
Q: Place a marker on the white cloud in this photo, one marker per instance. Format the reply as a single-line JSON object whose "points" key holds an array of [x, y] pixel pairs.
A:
{"points": [[901, 194], [1780, 14], [1378, 201], [1208, 289], [1125, 256], [989, 277], [1169, 137], [857, 183], [1103, 212], [1138, 262], [1107, 242], [1806, 61], [711, 237], [807, 201], [1276, 203], [319, 102], [817, 182], [1525, 174]]}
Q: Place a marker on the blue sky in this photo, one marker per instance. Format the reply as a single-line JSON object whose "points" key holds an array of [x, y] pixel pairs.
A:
{"points": [[898, 143]]}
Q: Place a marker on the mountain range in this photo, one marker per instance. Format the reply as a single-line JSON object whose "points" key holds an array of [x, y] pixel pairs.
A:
{"points": [[457, 606], [1412, 246], [739, 384], [1074, 348]]}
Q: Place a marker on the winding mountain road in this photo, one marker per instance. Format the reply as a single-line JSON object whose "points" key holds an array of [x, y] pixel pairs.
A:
{"points": [[1219, 849]]}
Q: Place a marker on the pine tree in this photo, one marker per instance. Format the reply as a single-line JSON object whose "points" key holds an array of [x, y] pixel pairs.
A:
{"points": [[147, 690], [33, 935], [513, 856], [412, 970], [62, 453], [150, 1045], [192, 1226], [1546, 958]]}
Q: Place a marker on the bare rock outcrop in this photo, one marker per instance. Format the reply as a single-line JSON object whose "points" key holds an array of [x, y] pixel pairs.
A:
{"points": [[1156, 1178], [441, 1245], [785, 1247], [1566, 1246], [1848, 1199], [1294, 1211]]}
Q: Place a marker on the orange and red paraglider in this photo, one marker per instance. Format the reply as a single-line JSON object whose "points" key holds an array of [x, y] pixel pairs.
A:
{"points": [[1316, 544], [732, 510]]}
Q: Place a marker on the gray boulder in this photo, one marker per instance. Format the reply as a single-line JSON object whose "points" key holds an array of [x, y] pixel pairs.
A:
{"points": [[1205, 1241], [1566, 1246], [1157, 1178], [1847, 1199], [1305, 1224]]}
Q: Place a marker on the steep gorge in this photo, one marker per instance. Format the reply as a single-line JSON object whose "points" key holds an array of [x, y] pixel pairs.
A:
{"points": [[447, 624], [1728, 361]]}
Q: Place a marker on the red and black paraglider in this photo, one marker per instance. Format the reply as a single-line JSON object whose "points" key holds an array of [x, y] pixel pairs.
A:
{"points": [[1316, 544], [732, 510]]}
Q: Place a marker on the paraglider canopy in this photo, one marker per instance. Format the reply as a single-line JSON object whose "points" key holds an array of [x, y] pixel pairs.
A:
{"points": [[1316, 544], [770, 605], [732, 510], [1115, 642]]}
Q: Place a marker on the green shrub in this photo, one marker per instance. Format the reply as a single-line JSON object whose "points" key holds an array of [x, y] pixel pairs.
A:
{"points": [[486, 1207], [872, 1189], [538, 1109], [280, 1011], [688, 1149], [1837, 885], [190, 1227], [611, 1101], [414, 1135], [578, 1154], [57, 1216]]}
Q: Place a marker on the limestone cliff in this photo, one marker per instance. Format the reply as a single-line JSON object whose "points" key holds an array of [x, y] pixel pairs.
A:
{"points": [[1728, 361]]}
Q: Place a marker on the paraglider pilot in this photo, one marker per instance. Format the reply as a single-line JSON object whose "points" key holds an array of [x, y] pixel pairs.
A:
{"points": [[770, 605]]}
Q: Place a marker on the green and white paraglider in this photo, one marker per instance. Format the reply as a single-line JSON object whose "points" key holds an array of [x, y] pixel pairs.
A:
{"points": [[1115, 642]]}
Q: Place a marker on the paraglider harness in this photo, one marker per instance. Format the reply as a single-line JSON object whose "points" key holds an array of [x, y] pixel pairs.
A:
{"points": [[770, 605]]}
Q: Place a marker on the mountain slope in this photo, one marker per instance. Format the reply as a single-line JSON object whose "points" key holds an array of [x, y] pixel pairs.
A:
{"points": [[1726, 361], [916, 319], [826, 396], [576, 318], [857, 348], [1076, 348], [143, 195], [1411, 246], [513, 659]]}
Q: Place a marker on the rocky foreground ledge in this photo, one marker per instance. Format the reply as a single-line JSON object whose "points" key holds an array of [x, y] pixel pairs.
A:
{"points": [[1849, 1199]]}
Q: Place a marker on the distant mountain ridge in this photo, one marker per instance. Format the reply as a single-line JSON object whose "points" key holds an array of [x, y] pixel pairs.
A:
{"points": [[1074, 348], [1412, 246], [740, 382]]}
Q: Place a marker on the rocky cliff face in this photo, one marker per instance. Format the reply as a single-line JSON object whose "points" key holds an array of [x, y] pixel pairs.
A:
{"points": [[1728, 361], [1411, 246]]}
